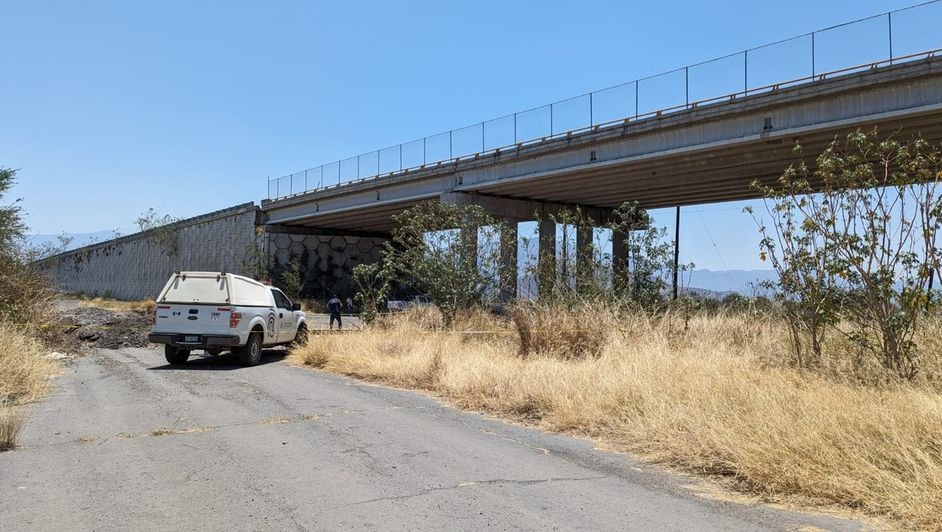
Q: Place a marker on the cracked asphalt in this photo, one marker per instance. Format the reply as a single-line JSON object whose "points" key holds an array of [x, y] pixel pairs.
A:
{"points": [[126, 442]]}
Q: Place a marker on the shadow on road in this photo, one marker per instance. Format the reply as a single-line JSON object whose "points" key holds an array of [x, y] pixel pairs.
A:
{"points": [[224, 362]]}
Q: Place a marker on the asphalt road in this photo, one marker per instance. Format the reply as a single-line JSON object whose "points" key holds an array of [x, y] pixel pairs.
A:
{"points": [[126, 442]]}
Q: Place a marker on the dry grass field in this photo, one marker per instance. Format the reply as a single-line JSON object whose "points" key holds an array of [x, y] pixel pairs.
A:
{"points": [[24, 377], [714, 396]]}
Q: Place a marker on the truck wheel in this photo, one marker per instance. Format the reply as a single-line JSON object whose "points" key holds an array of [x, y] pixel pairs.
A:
{"points": [[300, 339], [176, 356], [251, 353]]}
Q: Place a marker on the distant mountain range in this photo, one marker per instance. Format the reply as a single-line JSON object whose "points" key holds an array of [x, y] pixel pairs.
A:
{"points": [[703, 283], [745, 282]]}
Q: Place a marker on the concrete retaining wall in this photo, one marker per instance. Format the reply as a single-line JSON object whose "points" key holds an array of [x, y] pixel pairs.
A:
{"points": [[137, 266]]}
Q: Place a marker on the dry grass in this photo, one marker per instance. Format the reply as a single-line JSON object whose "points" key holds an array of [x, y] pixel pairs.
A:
{"points": [[560, 332], [24, 371], [25, 293], [715, 399], [11, 422], [143, 306], [24, 377]]}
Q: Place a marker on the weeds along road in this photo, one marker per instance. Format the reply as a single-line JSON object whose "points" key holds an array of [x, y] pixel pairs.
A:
{"points": [[126, 442]]}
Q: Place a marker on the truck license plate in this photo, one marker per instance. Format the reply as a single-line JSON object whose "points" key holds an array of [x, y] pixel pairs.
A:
{"points": [[191, 339]]}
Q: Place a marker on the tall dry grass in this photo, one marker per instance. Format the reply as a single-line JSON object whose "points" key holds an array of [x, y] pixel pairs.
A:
{"points": [[25, 293], [713, 396], [143, 306], [24, 377]]}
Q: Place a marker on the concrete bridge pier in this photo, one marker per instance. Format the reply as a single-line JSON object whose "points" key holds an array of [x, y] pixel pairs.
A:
{"points": [[619, 258], [546, 257], [469, 240], [585, 249], [508, 259], [512, 211]]}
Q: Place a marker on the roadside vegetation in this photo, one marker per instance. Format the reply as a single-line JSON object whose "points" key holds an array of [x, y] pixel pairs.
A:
{"points": [[826, 391], [25, 300], [142, 306]]}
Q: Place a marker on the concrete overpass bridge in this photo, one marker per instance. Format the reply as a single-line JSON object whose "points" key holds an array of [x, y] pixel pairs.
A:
{"points": [[705, 152], [699, 153]]}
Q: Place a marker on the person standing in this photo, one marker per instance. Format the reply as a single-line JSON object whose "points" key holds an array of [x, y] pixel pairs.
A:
{"points": [[335, 307]]}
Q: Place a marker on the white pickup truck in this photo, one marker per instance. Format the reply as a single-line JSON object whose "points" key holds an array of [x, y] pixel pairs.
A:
{"points": [[217, 312]]}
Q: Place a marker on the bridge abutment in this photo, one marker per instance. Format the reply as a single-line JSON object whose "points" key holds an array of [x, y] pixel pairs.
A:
{"points": [[322, 261]]}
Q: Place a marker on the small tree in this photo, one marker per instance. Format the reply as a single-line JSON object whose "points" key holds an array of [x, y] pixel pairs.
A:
{"points": [[805, 289], [434, 248], [292, 277], [163, 228], [12, 228], [49, 248], [24, 292], [256, 264], [373, 282], [641, 281], [856, 238]]}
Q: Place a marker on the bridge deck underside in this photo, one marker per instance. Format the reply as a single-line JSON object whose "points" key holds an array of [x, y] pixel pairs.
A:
{"points": [[706, 177], [369, 219]]}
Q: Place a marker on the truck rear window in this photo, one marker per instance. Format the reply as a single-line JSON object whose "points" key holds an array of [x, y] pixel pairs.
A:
{"points": [[212, 290]]}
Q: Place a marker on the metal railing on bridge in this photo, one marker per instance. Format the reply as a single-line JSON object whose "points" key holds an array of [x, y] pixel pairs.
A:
{"points": [[905, 34]]}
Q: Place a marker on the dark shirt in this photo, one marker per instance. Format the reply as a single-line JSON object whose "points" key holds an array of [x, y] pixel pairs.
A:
{"points": [[334, 306]]}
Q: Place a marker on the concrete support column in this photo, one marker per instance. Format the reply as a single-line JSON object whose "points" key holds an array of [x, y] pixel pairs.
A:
{"points": [[546, 257], [508, 260], [584, 252], [469, 242], [619, 260]]}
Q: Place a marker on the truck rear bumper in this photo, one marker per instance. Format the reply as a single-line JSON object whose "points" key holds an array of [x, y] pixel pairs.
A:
{"points": [[187, 340]]}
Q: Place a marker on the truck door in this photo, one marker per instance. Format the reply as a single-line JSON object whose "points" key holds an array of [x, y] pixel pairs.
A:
{"points": [[285, 318]]}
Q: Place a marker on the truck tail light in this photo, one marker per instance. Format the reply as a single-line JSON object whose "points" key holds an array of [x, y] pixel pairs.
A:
{"points": [[234, 319]]}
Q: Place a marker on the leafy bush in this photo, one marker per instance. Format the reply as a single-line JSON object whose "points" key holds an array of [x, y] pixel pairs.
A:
{"points": [[434, 249], [854, 241]]}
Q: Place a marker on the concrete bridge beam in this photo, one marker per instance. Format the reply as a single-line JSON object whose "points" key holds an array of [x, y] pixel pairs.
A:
{"points": [[525, 210]]}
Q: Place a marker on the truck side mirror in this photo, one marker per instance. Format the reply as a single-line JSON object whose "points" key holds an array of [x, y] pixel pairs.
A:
{"points": [[296, 306]]}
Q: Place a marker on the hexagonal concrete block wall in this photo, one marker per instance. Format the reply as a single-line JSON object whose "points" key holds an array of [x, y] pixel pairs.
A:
{"points": [[331, 257]]}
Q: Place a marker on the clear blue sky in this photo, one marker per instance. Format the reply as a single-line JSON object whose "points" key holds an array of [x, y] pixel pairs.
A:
{"points": [[110, 108]]}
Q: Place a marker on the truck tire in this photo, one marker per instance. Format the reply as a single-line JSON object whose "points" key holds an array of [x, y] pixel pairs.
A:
{"points": [[300, 339], [251, 353], [176, 356]]}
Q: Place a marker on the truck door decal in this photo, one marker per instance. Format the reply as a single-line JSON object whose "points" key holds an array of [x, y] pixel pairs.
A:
{"points": [[271, 324]]}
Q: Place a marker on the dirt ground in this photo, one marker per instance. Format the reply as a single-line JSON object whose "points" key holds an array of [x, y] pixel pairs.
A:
{"points": [[107, 329]]}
